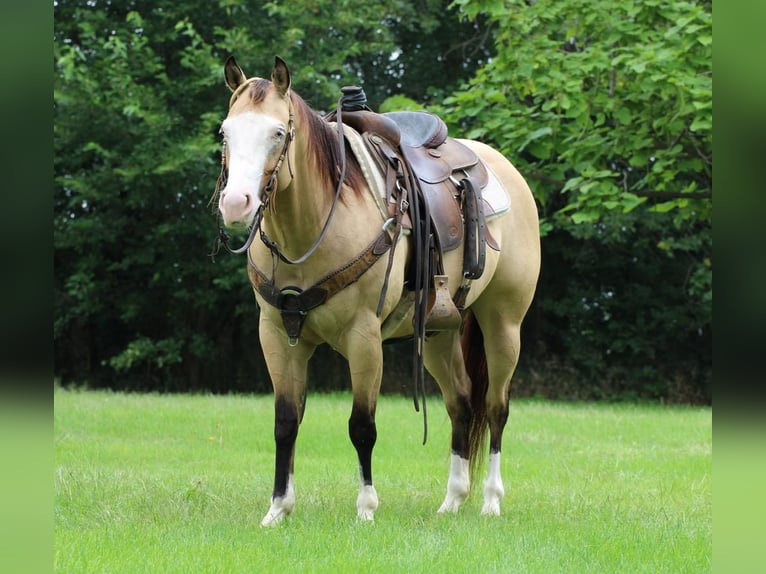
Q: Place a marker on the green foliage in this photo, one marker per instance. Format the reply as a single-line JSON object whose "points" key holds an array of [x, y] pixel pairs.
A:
{"points": [[631, 319], [146, 350], [400, 103], [606, 103], [605, 107], [134, 154]]}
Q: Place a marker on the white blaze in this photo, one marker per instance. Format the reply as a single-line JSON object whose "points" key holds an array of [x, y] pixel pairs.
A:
{"points": [[251, 140]]}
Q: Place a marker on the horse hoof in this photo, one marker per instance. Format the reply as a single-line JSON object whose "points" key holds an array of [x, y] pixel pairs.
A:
{"points": [[279, 510], [366, 502], [491, 509], [366, 515], [449, 507], [273, 517]]}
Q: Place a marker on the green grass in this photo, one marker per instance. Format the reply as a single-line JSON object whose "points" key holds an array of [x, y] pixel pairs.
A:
{"points": [[161, 484]]}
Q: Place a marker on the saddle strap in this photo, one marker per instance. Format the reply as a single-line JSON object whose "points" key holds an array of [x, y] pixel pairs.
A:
{"points": [[294, 303], [474, 250]]}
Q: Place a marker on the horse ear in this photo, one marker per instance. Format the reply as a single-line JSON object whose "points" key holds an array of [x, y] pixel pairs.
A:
{"points": [[280, 76], [233, 74]]}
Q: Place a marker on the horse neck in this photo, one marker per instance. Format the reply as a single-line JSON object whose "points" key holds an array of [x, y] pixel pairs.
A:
{"points": [[299, 210]]}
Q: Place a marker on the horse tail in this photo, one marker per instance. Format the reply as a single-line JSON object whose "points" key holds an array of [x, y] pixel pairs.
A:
{"points": [[472, 343]]}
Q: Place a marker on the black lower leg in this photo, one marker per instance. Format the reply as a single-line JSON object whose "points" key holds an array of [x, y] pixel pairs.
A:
{"points": [[497, 419], [285, 433], [363, 434], [460, 415]]}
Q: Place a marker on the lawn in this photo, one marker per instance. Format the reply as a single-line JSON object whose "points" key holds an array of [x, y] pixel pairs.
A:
{"points": [[179, 483]]}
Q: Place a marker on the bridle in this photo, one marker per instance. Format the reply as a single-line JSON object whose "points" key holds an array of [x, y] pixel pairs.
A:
{"points": [[270, 188]]}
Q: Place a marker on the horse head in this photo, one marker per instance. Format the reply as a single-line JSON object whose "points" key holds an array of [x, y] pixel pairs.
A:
{"points": [[256, 140]]}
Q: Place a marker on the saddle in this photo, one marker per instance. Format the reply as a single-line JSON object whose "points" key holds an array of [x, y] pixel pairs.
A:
{"points": [[433, 186], [419, 140]]}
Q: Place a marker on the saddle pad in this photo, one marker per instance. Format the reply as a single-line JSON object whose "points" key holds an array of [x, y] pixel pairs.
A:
{"points": [[370, 169], [495, 197]]}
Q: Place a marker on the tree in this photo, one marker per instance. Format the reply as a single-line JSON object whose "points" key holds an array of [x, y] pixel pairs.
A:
{"points": [[607, 108], [138, 99], [132, 162]]}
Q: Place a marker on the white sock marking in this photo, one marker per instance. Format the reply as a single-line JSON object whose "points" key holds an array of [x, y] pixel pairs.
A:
{"points": [[366, 502], [281, 506], [493, 487], [458, 484]]}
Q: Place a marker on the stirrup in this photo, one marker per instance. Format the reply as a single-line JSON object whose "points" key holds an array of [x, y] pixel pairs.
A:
{"points": [[442, 315]]}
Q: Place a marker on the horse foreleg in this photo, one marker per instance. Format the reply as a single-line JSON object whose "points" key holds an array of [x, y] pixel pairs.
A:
{"points": [[286, 422], [287, 367], [365, 357], [363, 434], [444, 360]]}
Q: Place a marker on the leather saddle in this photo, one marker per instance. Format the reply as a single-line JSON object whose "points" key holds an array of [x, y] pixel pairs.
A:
{"points": [[423, 165], [438, 161]]}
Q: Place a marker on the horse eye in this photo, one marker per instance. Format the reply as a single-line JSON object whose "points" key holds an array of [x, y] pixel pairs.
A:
{"points": [[279, 134]]}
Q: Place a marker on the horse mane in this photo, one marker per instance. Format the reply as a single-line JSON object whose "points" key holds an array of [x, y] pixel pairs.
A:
{"points": [[322, 138], [324, 151]]}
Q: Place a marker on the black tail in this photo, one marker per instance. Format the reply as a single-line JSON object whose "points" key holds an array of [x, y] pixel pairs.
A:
{"points": [[472, 343]]}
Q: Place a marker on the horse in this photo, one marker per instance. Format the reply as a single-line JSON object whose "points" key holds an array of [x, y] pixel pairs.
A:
{"points": [[285, 171]]}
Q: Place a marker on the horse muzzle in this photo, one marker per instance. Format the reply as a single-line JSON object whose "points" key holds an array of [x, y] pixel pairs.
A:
{"points": [[237, 208]]}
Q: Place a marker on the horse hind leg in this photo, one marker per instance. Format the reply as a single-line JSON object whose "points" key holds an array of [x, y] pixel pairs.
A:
{"points": [[502, 353], [494, 490], [443, 359]]}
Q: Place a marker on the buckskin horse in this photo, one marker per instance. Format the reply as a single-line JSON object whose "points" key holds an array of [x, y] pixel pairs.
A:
{"points": [[375, 227]]}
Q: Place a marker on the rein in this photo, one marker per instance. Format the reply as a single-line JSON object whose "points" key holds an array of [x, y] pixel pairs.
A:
{"points": [[272, 245], [295, 303]]}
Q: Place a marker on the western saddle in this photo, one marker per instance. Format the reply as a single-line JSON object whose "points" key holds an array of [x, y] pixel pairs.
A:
{"points": [[433, 189]]}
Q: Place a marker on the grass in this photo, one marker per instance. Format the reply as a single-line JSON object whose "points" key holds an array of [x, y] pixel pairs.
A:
{"points": [[150, 483]]}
